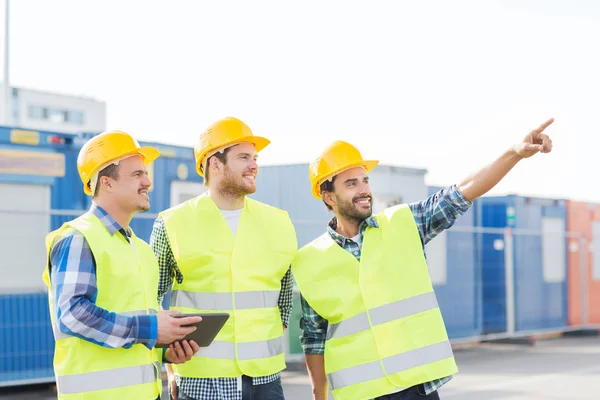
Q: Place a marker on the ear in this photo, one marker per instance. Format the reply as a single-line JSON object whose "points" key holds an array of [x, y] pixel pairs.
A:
{"points": [[329, 198], [105, 183], [214, 163]]}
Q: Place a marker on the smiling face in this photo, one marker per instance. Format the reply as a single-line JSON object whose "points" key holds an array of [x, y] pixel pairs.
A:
{"points": [[351, 197], [237, 174], [128, 186]]}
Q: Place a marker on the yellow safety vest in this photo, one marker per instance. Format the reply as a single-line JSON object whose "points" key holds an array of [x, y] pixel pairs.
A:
{"points": [[240, 275], [385, 329], [127, 279]]}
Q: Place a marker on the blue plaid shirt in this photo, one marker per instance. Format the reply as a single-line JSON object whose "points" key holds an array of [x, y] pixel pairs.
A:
{"points": [[433, 215], [73, 277]]}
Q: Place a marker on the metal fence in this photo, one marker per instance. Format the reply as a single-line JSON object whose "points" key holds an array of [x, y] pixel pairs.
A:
{"points": [[490, 284]]}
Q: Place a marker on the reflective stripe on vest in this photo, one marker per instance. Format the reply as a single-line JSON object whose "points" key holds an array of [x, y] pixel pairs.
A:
{"points": [[109, 379], [382, 314], [245, 351], [224, 301], [394, 364]]}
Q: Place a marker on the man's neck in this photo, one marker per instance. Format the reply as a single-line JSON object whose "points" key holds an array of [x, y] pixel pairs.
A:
{"points": [[347, 227], [123, 218], [226, 201]]}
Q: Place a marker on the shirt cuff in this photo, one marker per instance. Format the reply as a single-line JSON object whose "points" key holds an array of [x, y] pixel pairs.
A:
{"points": [[285, 317], [313, 344], [456, 197], [147, 330]]}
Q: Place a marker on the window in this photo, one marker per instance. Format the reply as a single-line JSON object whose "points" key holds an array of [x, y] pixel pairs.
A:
{"points": [[75, 117], [36, 112], [436, 252], [554, 249], [56, 115]]}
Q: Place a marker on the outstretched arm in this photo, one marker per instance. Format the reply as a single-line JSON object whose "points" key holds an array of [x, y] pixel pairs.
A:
{"points": [[483, 181]]}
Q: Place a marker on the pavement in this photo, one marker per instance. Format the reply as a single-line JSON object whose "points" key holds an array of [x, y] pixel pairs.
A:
{"points": [[562, 368]]}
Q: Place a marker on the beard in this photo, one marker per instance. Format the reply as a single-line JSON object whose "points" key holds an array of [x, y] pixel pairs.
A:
{"points": [[349, 210], [235, 186], [143, 208]]}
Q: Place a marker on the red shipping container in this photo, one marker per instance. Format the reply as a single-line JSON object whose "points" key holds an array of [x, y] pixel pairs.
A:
{"points": [[581, 218]]}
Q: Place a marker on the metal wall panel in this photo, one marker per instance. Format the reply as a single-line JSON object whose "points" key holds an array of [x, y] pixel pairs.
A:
{"points": [[540, 303]]}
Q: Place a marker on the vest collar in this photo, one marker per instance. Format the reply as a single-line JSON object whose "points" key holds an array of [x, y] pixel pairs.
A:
{"points": [[341, 240]]}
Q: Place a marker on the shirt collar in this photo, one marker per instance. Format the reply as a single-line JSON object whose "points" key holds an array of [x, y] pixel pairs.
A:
{"points": [[341, 240], [109, 222]]}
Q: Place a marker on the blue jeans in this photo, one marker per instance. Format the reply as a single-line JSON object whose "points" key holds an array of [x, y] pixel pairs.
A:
{"points": [[268, 391], [412, 393]]}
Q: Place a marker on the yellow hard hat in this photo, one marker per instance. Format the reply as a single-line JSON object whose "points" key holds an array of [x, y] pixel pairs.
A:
{"points": [[337, 157], [106, 147], [223, 133]]}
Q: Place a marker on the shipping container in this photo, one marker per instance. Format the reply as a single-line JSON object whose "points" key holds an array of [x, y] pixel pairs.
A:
{"points": [[456, 275], [539, 259], [26, 341], [583, 225], [34, 168]]}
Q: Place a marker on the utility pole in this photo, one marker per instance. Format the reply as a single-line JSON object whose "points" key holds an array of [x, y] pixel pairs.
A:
{"points": [[6, 120]]}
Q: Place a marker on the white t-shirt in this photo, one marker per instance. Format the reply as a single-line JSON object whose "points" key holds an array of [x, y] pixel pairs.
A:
{"points": [[233, 218]]}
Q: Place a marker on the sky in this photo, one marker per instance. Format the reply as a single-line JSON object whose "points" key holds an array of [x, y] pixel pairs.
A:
{"points": [[446, 86]]}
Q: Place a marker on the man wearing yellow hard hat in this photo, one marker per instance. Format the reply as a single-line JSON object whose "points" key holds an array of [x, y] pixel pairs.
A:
{"points": [[102, 283], [371, 324], [229, 253]]}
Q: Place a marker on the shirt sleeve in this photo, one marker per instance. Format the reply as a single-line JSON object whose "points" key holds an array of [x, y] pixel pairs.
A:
{"points": [[286, 297], [314, 330], [439, 212], [167, 265], [73, 277]]}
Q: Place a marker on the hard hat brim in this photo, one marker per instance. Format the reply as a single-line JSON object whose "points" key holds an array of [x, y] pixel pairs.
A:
{"points": [[148, 153], [368, 165], [259, 143]]}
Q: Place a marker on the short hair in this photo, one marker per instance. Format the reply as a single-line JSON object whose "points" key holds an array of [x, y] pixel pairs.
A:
{"points": [[221, 156], [327, 186], [112, 171]]}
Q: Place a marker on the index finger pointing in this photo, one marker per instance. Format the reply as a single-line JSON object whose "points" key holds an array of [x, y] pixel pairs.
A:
{"points": [[545, 125]]}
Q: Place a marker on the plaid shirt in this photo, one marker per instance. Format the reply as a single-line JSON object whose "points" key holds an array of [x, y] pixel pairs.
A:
{"points": [[74, 291], [433, 215], [209, 388]]}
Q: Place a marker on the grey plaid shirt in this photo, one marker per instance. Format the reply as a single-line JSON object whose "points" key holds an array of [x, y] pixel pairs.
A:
{"points": [[209, 388]]}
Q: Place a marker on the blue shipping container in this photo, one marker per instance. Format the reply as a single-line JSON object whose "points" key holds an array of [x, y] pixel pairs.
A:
{"points": [[26, 340], [539, 259], [454, 270]]}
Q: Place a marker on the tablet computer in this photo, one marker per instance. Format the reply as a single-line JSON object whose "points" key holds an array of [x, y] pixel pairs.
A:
{"points": [[206, 330]]}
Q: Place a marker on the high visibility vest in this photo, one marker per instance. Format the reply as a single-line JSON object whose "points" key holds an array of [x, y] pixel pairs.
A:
{"points": [[385, 330], [240, 275], [127, 279]]}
